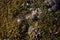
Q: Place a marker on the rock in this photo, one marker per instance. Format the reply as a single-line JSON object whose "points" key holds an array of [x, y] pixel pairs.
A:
{"points": [[34, 33], [18, 20], [35, 14], [49, 2], [50, 9], [52, 5]]}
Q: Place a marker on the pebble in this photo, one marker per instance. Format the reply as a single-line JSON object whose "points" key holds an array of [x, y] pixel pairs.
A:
{"points": [[18, 20], [49, 9]]}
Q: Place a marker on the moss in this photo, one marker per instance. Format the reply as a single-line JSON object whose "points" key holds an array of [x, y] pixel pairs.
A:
{"points": [[48, 23]]}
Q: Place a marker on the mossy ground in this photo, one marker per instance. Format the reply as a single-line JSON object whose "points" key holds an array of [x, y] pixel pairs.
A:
{"points": [[11, 10]]}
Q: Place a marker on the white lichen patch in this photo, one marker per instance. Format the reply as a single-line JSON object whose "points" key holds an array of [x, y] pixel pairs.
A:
{"points": [[19, 20], [34, 12]]}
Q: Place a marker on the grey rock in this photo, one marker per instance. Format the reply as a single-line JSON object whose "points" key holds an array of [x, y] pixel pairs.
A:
{"points": [[52, 5]]}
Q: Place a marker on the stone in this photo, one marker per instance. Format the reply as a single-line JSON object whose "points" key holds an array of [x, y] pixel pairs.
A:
{"points": [[52, 5]]}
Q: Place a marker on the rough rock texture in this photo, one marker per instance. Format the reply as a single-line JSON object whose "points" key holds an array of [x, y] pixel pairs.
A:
{"points": [[53, 5]]}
